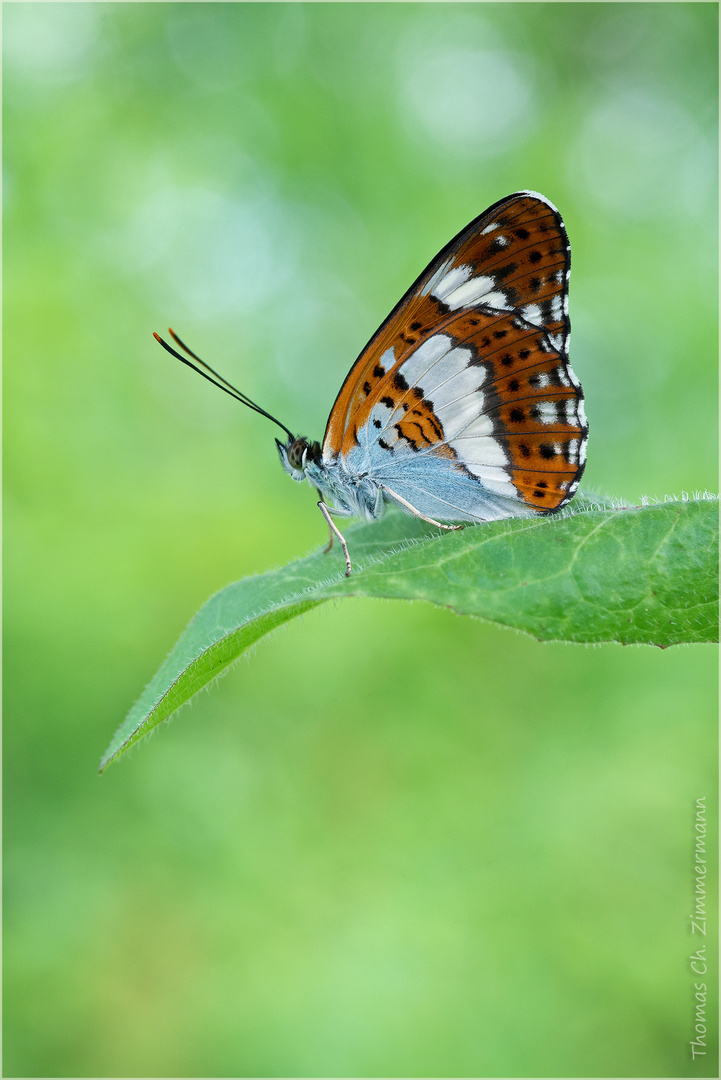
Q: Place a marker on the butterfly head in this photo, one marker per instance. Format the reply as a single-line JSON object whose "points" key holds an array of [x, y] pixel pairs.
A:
{"points": [[296, 454]]}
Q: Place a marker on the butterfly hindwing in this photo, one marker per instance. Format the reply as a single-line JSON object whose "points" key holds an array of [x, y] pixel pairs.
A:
{"points": [[469, 373]]}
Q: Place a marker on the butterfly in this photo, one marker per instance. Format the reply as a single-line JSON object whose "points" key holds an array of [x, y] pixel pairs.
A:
{"points": [[463, 406]]}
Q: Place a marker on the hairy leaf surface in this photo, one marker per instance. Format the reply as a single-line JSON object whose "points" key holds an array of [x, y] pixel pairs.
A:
{"points": [[640, 576]]}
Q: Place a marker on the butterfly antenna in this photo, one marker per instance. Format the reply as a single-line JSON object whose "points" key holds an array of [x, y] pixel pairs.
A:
{"points": [[218, 381], [202, 363]]}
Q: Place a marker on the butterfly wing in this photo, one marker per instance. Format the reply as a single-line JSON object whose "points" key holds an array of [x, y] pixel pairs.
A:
{"points": [[464, 402]]}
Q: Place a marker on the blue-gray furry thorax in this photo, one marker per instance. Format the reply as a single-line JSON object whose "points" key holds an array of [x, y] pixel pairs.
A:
{"points": [[351, 492]]}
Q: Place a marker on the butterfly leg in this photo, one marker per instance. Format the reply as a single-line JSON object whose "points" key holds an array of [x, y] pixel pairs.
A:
{"points": [[431, 521], [334, 530], [330, 540]]}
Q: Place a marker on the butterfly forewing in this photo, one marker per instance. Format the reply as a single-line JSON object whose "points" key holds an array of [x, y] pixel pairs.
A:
{"points": [[472, 365]]}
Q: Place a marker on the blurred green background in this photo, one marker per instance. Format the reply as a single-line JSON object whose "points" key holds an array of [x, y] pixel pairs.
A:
{"points": [[395, 842]]}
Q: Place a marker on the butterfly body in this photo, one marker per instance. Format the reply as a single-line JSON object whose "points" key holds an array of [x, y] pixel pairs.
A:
{"points": [[360, 485], [463, 406]]}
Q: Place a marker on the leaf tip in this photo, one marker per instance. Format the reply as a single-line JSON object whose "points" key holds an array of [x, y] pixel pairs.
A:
{"points": [[106, 760]]}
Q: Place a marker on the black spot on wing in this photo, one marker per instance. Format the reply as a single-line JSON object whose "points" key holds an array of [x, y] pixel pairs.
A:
{"points": [[500, 273], [412, 442], [547, 311], [431, 420], [494, 247]]}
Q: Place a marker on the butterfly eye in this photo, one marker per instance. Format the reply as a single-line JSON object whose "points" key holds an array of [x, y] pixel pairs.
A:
{"points": [[297, 454]]}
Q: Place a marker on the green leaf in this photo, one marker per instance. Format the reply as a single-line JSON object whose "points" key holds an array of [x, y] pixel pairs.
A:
{"points": [[646, 575]]}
